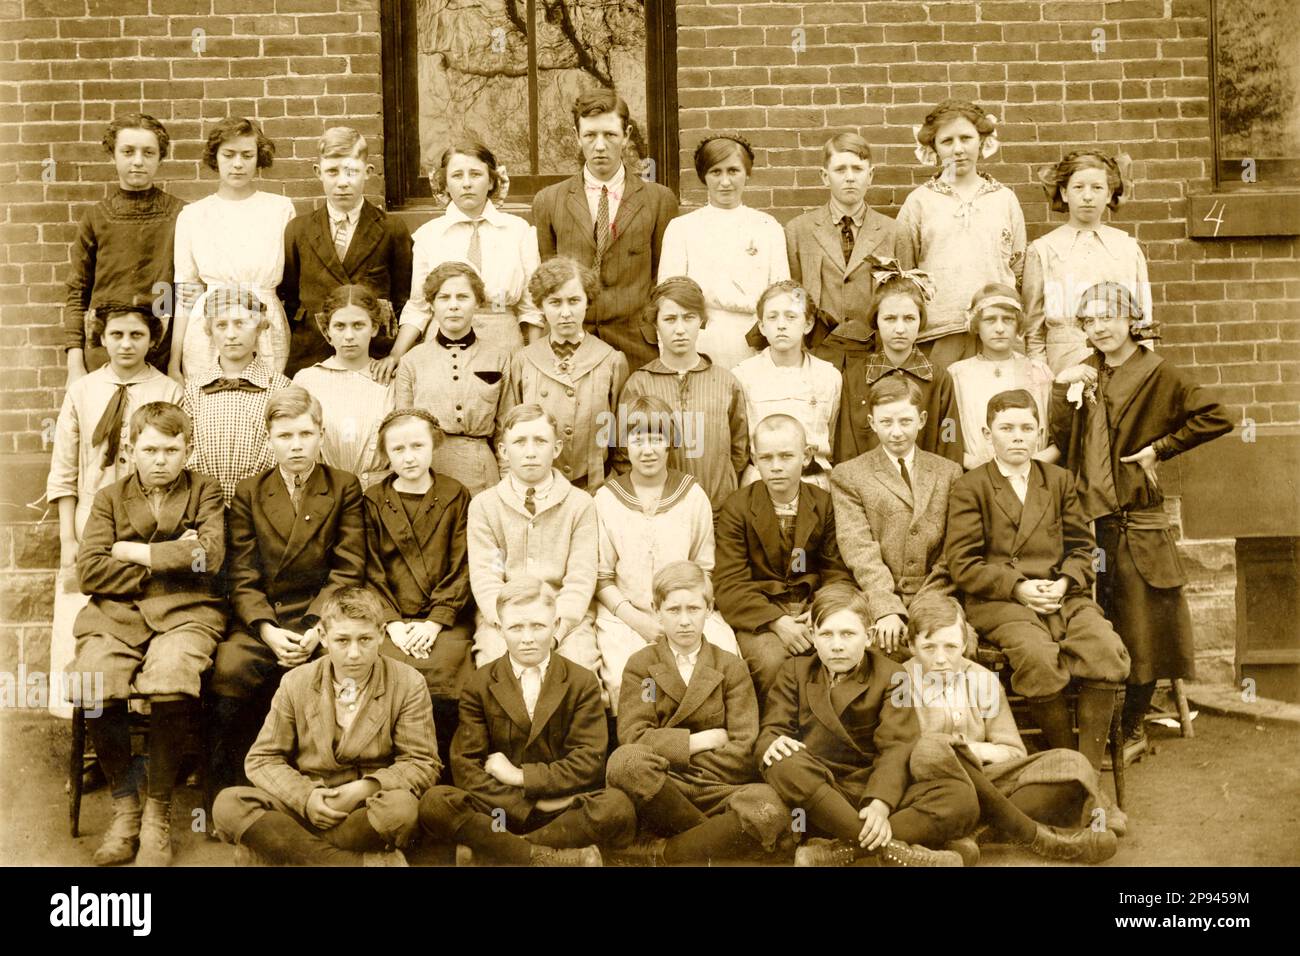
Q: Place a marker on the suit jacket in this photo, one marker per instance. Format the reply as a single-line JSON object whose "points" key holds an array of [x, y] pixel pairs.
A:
{"points": [[379, 256], [1164, 408], [182, 585], [753, 576], [843, 291], [892, 536], [994, 542], [720, 694], [857, 730], [561, 750], [391, 740], [283, 566], [631, 261], [420, 568]]}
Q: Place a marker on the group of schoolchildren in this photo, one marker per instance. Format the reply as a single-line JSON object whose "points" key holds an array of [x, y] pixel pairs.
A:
{"points": [[519, 496]]}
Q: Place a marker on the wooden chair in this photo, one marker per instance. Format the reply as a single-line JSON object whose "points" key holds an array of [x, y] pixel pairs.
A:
{"points": [[139, 745], [996, 661]]}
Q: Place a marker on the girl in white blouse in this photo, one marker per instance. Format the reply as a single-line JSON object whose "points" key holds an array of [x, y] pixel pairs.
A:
{"points": [[732, 251], [501, 247], [231, 239], [352, 401]]}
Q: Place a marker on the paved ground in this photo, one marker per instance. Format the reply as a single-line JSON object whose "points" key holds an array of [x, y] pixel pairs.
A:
{"points": [[1228, 797]]}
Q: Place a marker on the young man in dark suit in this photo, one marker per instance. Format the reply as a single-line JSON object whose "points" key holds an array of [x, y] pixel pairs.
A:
{"points": [[607, 218], [528, 758], [150, 559], [347, 241], [774, 547], [1021, 551], [296, 535], [837, 740]]}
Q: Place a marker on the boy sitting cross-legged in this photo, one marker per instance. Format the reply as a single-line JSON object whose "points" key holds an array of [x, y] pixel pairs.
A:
{"points": [[836, 744], [343, 757], [528, 758], [150, 559]]}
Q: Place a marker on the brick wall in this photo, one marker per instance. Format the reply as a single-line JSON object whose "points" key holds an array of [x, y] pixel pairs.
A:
{"points": [[66, 67]]}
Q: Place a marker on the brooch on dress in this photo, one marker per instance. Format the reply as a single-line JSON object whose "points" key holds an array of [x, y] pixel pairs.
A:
{"points": [[751, 249]]}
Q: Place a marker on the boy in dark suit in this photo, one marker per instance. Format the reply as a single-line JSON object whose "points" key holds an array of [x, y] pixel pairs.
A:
{"points": [[687, 719], [348, 241], [150, 559], [297, 534], [1019, 548], [836, 742], [774, 547], [338, 784], [528, 758], [607, 218], [833, 248]]}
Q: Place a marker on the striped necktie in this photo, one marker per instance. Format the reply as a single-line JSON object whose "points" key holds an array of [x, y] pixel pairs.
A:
{"points": [[341, 238], [475, 253], [602, 226]]}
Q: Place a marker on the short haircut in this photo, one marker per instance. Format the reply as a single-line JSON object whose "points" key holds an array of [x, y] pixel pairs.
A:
{"points": [[474, 150], [649, 414], [715, 149], [997, 290], [136, 121], [353, 603], [345, 295], [786, 287], [524, 590], [165, 417], [950, 110], [896, 285], [290, 403], [895, 388], [106, 313], [929, 612], [598, 102], [223, 299], [1011, 398], [685, 292], [435, 280], [780, 422], [680, 576], [841, 596], [553, 273], [399, 415], [1086, 159], [846, 143], [527, 413], [342, 142], [234, 127]]}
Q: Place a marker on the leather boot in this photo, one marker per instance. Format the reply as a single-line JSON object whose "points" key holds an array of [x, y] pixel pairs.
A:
{"points": [[549, 856], [1082, 846], [122, 838], [155, 834]]}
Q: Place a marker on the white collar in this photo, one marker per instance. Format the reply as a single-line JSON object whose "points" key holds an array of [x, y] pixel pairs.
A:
{"points": [[520, 668], [838, 212], [801, 367], [542, 490], [289, 479], [909, 459], [491, 215], [615, 183], [1008, 472], [1065, 236], [337, 214], [691, 656]]}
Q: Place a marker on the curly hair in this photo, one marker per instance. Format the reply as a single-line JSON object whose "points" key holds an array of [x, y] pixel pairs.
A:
{"points": [[100, 318], [786, 287], [136, 121], [1086, 159], [234, 127], [553, 273], [474, 150], [950, 110], [450, 270]]}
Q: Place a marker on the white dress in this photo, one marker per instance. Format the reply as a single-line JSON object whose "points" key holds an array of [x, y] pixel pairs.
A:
{"points": [[353, 404], [234, 243], [734, 255], [632, 546], [809, 393], [976, 380]]}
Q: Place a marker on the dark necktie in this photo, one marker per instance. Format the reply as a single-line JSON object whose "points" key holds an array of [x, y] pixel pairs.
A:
{"points": [[846, 237], [530, 501], [109, 429], [230, 385], [563, 350], [296, 492], [463, 342], [902, 470], [602, 226]]}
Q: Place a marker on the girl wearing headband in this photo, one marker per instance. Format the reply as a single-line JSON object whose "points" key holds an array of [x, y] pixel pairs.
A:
{"points": [[1081, 253], [732, 251], [961, 224]]}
